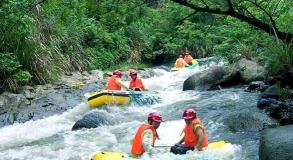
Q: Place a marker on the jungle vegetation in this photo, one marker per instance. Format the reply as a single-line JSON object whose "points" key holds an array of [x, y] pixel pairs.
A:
{"points": [[43, 39]]}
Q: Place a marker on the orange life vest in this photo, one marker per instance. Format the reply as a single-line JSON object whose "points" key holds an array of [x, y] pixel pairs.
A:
{"points": [[179, 63], [188, 59], [137, 83], [190, 138], [112, 85], [137, 146]]}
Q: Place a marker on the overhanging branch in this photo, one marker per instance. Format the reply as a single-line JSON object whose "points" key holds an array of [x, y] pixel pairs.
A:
{"points": [[287, 37], [183, 19]]}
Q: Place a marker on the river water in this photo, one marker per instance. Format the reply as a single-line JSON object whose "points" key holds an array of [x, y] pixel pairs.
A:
{"points": [[52, 138]]}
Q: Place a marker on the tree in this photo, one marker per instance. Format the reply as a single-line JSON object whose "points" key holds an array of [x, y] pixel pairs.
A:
{"points": [[261, 14]]}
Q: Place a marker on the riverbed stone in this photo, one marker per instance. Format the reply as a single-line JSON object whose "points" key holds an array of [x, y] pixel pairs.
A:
{"points": [[276, 143], [94, 119], [97, 73], [282, 111], [211, 78], [163, 67], [273, 91], [147, 73], [6, 119], [249, 121], [256, 86], [251, 71], [263, 103]]}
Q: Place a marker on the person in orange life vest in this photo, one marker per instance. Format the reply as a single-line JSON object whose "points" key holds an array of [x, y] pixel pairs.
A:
{"points": [[195, 135], [187, 58], [114, 82], [180, 63], [135, 82], [146, 136]]}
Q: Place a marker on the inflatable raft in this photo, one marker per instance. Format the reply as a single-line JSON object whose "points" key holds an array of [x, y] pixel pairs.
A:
{"points": [[98, 99], [124, 156], [194, 65]]}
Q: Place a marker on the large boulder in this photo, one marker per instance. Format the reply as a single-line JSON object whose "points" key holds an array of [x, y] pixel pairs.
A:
{"points": [[142, 73], [9, 106], [212, 78], [207, 60], [283, 111], [94, 119], [256, 86], [57, 101], [249, 121], [251, 71], [263, 103], [276, 143], [273, 91], [40, 102]]}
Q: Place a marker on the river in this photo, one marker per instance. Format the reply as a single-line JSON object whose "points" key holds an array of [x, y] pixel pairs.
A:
{"points": [[52, 138]]}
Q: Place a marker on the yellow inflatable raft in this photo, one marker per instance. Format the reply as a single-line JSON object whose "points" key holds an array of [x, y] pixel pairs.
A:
{"points": [[124, 156], [98, 99]]}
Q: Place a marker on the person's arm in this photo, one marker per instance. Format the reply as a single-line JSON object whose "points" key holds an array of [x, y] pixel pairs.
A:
{"points": [[175, 64], [181, 141], [119, 82], [191, 58], [198, 131], [145, 89], [147, 141], [106, 86], [185, 63]]}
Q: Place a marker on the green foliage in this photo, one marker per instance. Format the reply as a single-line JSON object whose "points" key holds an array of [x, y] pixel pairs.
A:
{"points": [[11, 72], [8, 64], [127, 66], [41, 42], [22, 77], [100, 59], [277, 57], [285, 93]]}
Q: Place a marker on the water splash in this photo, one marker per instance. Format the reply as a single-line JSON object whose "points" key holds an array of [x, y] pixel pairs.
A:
{"points": [[52, 138]]}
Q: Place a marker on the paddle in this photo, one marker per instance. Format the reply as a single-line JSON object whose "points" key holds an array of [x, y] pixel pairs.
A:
{"points": [[162, 146], [213, 145]]}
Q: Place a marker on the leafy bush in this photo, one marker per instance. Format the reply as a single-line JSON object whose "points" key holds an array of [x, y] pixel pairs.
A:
{"points": [[285, 93], [11, 73], [8, 64], [99, 59], [22, 77], [277, 57]]}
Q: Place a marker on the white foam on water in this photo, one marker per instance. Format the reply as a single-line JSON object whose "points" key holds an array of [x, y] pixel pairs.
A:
{"points": [[52, 138], [20, 133]]}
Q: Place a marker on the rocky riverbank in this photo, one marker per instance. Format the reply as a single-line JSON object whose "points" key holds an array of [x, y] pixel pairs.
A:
{"points": [[36, 102]]}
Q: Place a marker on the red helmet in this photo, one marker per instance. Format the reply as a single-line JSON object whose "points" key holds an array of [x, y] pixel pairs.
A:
{"points": [[117, 73], [189, 114], [133, 72], [180, 56], [154, 116], [186, 53]]}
